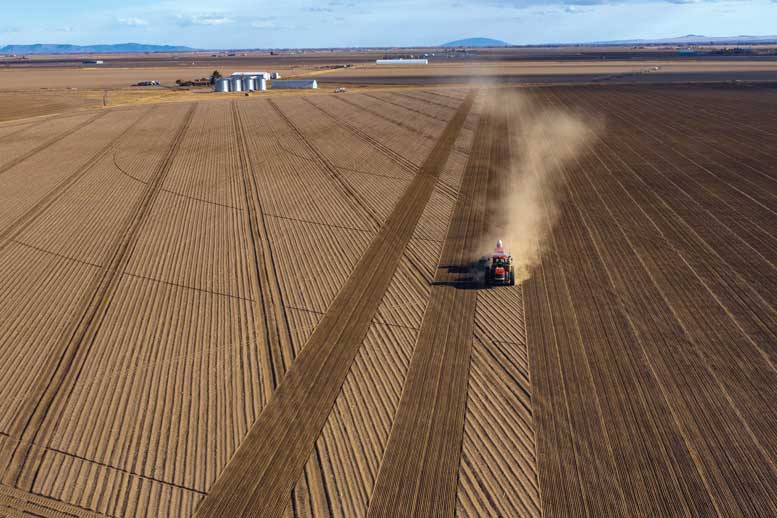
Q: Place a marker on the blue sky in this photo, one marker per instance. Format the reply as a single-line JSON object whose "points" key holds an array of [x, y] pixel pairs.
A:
{"points": [[338, 23]]}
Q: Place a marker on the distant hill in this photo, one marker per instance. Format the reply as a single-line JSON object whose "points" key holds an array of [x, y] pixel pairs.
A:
{"points": [[476, 42], [53, 48], [697, 39]]}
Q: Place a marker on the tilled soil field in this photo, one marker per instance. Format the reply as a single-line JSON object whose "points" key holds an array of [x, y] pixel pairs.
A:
{"points": [[262, 307]]}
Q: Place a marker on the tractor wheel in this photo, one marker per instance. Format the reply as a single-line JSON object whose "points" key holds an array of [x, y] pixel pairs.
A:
{"points": [[512, 278]]}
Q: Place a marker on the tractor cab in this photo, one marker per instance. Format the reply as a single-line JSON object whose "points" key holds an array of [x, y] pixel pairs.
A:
{"points": [[499, 267]]}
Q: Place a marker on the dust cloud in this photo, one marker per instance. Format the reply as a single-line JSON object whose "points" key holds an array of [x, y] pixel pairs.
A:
{"points": [[543, 141]]}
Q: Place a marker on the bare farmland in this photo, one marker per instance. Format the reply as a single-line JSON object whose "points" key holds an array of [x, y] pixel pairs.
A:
{"points": [[262, 307]]}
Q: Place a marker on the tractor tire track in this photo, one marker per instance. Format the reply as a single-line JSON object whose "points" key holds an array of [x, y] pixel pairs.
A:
{"points": [[22, 222], [350, 193], [32, 125], [390, 120], [274, 324], [419, 471], [18, 160], [269, 462], [392, 155], [353, 195], [384, 99], [397, 158]]}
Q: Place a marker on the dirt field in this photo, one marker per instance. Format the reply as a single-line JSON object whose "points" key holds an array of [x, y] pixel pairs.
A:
{"points": [[263, 307], [46, 85]]}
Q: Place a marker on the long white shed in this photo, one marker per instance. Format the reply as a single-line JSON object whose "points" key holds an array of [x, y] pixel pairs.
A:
{"points": [[295, 83], [263, 75]]}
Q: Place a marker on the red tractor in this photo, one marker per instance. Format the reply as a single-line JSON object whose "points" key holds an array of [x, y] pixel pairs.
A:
{"points": [[498, 268]]}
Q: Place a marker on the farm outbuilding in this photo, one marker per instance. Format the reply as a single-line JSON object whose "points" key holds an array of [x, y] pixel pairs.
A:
{"points": [[265, 75], [296, 83]]}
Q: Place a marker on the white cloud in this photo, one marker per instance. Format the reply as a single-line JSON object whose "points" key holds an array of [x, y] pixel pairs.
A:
{"points": [[274, 24], [133, 22], [203, 19]]}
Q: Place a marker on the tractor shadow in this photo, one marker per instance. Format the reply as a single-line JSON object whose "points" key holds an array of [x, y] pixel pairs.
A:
{"points": [[461, 277]]}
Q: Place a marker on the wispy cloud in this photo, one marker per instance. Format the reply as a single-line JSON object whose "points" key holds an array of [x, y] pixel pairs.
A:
{"points": [[203, 19], [132, 22], [272, 24]]}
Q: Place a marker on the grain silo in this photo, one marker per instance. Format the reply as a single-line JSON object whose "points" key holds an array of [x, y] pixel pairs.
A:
{"points": [[236, 84], [222, 85], [296, 84], [249, 84], [261, 84]]}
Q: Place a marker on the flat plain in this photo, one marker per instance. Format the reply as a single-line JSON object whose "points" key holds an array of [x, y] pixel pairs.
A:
{"points": [[259, 307]]}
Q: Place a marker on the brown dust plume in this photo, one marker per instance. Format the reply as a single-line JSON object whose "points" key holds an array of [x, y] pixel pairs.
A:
{"points": [[543, 141]]}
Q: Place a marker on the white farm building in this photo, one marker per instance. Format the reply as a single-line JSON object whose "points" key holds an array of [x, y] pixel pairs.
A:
{"points": [[295, 83], [265, 75]]}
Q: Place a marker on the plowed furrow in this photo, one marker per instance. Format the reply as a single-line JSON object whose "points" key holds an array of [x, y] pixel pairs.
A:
{"points": [[18, 160], [22, 222], [332, 169], [376, 113], [19, 467], [419, 471], [367, 404], [27, 125], [260, 476], [390, 153], [15, 503], [273, 324], [426, 98], [387, 98]]}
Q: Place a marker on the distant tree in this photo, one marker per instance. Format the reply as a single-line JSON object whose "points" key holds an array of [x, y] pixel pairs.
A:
{"points": [[215, 77], [178, 82]]}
